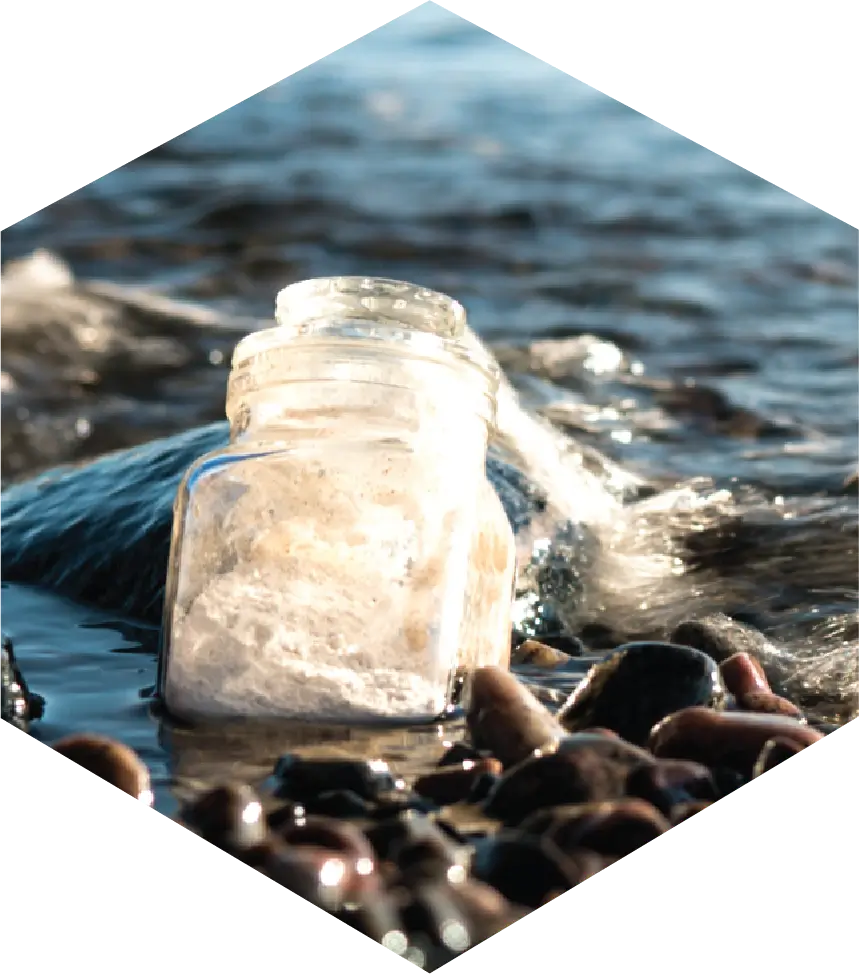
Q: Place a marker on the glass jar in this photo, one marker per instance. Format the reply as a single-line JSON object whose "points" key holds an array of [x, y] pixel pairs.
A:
{"points": [[345, 558]]}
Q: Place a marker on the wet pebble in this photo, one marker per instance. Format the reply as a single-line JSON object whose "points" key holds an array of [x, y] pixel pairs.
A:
{"points": [[584, 768], [506, 719], [419, 847], [680, 813], [534, 653], [110, 760], [303, 778], [612, 829], [668, 783], [731, 739], [230, 817], [743, 674], [639, 684], [454, 784], [528, 870]]}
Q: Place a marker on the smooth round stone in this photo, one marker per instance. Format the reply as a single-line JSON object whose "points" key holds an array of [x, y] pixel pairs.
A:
{"points": [[584, 768], [638, 685], [728, 739], [505, 718], [455, 784], [229, 816], [110, 760], [378, 918], [669, 783], [527, 870], [417, 846], [612, 829], [302, 778], [680, 813]]}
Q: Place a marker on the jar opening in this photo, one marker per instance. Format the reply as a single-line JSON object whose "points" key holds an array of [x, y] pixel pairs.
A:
{"points": [[391, 316]]}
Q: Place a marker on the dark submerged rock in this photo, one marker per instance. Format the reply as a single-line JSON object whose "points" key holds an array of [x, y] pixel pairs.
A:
{"points": [[528, 870], [612, 829], [669, 783], [304, 779], [455, 784], [639, 684], [585, 768]]}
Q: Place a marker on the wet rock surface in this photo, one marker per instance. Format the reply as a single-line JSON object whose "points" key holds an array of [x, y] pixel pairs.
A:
{"points": [[639, 684]]}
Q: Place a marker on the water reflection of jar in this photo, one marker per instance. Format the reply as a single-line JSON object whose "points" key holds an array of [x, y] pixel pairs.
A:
{"points": [[345, 557]]}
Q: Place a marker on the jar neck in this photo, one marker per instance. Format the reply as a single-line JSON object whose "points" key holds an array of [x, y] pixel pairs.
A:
{"points": [[328, 391]]}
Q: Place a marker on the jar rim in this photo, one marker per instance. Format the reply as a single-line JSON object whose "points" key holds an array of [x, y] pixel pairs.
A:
{"points": [[356, 310]]}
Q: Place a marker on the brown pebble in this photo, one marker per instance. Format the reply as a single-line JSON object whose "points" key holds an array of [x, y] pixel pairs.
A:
{"points": [[535, 653], [724, 739], [506, 719], [743, 674], [584, 768], [769, 703], [110, 760], [454, 784], [613, 828]]}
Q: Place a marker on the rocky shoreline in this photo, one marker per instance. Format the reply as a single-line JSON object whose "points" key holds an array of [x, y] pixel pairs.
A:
{"points": [[528, 806]]}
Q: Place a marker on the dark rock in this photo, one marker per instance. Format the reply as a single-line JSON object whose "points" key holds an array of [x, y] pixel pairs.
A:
{"points": [[506, 719], [378, 918], [352, 860], [18, 705], [612, 829], [304, 778], [486, 909], [229, 816], [638, 685], [110, 760], [731, 739], [680, 813], [585, 768], [339, 804], [455, 784], [721, 637], [527, 870], [668, 783], [418, 847]]}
